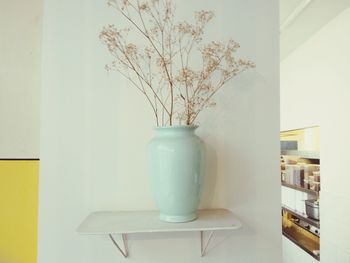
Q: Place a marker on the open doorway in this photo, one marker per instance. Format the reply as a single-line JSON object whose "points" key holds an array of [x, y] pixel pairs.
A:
{"points": [[301, 184], [314, 83]]}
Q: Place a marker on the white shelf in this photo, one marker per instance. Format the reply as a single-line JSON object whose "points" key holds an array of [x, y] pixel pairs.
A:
{"points": [[131, 222], [119, 222]]}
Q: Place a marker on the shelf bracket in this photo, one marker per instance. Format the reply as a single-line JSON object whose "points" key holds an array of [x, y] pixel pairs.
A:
{"points": [[124, 252], [204, 245]]}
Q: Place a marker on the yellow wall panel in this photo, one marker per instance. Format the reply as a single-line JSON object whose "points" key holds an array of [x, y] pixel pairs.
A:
{"points": [[18, 210]]}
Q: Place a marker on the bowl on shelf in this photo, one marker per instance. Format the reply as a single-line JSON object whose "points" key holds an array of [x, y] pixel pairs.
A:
{"points": [[312, 208]]}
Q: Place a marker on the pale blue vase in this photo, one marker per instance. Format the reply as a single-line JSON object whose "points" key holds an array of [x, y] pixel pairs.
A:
{"points": [[176, 168]]}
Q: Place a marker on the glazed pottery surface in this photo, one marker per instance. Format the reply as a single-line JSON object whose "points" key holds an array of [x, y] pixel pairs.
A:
{"points": [[176, 168]]}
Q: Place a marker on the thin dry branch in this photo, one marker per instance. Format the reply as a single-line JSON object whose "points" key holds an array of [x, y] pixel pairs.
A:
{"points": [[166, 72]]}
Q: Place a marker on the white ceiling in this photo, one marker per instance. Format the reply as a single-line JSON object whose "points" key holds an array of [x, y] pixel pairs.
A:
{"points": [[316, 14]]}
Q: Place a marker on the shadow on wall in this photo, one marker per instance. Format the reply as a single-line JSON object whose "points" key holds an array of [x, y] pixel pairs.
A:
{"points": [[229, 181], [237, 161], [209, 185]]}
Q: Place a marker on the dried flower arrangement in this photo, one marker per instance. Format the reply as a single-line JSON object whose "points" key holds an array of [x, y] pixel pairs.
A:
{"points": [[161, 69]]}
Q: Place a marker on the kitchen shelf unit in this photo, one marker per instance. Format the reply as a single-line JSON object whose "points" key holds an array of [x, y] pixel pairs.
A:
{"points": [[299, 188], [122, 223]]}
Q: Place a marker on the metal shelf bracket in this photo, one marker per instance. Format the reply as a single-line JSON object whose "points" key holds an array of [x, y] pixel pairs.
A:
{"points": [[204, 245], [124, 252]]}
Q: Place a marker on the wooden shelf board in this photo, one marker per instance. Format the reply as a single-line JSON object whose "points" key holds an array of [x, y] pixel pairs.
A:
{"points": [[302, 154]]}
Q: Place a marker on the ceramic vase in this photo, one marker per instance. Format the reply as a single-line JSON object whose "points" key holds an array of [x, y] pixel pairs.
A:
{"points": [[176, 168]]}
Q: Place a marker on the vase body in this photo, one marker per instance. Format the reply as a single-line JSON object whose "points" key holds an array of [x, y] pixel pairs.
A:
{"points": [[176, 168]]}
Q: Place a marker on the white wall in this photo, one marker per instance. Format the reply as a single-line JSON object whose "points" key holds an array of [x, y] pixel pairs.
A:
{"points": [[94, 132], [315, 91], [20, 47]]}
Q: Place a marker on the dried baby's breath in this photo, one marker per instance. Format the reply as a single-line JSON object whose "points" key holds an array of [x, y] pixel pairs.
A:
{"points": [[165, 68]]}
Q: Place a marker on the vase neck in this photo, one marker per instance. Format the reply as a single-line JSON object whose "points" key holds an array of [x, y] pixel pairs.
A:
{"points": [[175, 130]]}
